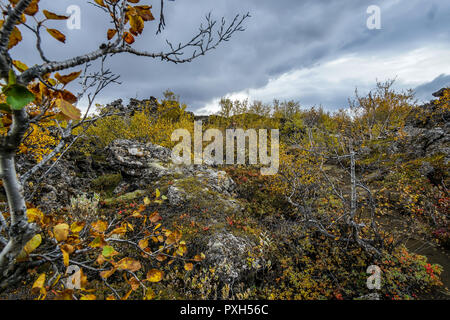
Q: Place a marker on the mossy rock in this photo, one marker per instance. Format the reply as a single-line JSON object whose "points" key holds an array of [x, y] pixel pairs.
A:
{"points": [[106, 182], [126, 197]]}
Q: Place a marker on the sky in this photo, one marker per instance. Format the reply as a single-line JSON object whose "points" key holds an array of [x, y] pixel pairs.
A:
{"points": [[315, 52]]}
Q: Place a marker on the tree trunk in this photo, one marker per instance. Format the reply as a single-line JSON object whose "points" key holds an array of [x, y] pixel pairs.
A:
{"points": [[20, 231]]}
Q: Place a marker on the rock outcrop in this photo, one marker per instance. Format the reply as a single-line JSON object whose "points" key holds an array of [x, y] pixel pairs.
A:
{"points": [[205, 193]]}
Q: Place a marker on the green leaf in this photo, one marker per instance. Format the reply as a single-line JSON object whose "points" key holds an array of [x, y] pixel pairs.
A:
{"points": [[18, 96], [107, 251], [5, 108], [12, 77]]}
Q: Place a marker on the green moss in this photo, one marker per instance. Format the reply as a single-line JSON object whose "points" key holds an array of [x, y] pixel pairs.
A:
{"points": [[126, 197], [106, 182]]}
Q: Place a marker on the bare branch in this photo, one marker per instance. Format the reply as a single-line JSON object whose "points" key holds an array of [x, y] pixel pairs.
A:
{"points": [[202, 43]]}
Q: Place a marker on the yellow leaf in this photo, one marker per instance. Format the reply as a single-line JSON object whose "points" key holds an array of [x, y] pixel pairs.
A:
{"points": [[100, 259], [173, 237], [98, 242], [61, 232], [88, 297], [77, 227], [143, 244], [127, 295], [38, 285], [33, 244], [34, 215], [67, 247], [107, 273], [15, 38], [100, 226], [199, 257], [120, 230], [155, 275], [128, 264], [65, 257], [158, 193], [150, 294], [136, 24], [20, 65], [188, 266], [182, 249]]}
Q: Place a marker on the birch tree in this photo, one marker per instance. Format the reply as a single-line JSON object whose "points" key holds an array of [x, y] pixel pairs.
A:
{"points": [[30, 95]]}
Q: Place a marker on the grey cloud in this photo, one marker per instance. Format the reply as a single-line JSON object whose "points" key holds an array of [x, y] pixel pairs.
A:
{"points": [[281, 36], [425, 91]]}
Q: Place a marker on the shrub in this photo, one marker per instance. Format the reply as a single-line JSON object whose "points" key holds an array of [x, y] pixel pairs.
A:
{"points": [[84, 207]]}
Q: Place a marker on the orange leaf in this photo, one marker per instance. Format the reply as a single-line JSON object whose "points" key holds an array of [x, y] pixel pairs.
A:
{"points": [[111, 33], [128, 38], [57, 35], [70, 111], [54, 16], [145, 13], [154, 217], [67, 78], [100, 3], [68, 96]]}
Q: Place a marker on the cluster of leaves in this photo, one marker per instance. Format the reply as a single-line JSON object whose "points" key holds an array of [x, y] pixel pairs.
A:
{"points": [[132, 245], [18, 96], [135, 18]]}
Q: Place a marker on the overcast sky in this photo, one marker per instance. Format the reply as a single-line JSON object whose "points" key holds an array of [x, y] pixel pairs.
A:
{"points": [[313, 51]]}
